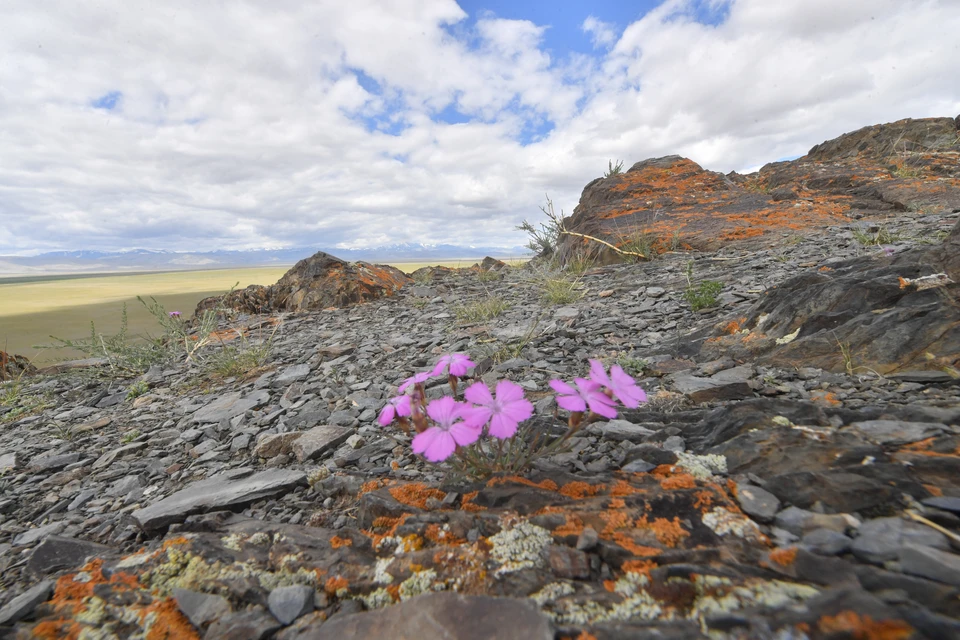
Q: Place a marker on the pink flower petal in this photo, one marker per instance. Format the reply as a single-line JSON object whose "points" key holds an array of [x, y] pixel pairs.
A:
{"points": [[464, 434], [502, 427], [572, 403], [386, 415], [434, 444], [479, 393], [508, 392], [562, 387], [443, 411]]}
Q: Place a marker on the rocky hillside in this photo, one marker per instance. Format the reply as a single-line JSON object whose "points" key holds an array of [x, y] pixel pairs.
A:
{"points": [[795, 472], [671, 202]]}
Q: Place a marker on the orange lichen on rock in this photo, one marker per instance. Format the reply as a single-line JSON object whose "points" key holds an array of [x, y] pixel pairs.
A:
{"points": [[572, 527], [669, 532], [825, 268], [615, 520], [864, 627], [622, 488], [174, 542], [167, 623], [578, 490], [933, 490], [415, 494], [337, 542], [334, 584], [546, 485], [617, 503], [704, 500], [639, 566], [784, 556], [586, 636], [437, 535], [734, 326], [466, 502], [679, 481], [372, 485], [639, 550]]}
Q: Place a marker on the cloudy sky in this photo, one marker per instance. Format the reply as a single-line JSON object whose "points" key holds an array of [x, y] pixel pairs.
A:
{"points": [[241, 124]]}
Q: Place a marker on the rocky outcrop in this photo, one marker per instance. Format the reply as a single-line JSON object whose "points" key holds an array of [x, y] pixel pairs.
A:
{"points": [[13, 366], [671, 202], [319, 282], [883, 313]]}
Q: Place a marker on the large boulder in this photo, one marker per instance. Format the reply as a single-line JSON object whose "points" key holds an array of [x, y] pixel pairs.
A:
{"points": [[887, 314], [318, 282], [672, 202]]}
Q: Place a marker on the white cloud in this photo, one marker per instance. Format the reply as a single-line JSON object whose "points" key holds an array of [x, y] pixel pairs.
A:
{"points": [[248, 123], [603, 34]]}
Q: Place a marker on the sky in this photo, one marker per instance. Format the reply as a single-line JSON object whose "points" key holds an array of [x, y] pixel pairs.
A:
{"points": [[240, 124]]}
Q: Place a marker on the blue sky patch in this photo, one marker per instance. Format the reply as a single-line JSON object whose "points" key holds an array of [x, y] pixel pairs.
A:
{"points": [[107, 101]]}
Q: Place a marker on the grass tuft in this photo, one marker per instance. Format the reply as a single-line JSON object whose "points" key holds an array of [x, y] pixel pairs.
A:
{"points": [[481, 310]]}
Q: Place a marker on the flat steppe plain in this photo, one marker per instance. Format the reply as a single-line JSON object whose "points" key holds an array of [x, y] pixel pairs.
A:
{"points": [[34, 308]]}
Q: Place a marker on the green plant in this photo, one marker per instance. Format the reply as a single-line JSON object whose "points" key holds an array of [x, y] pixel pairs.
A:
{"points": [[419, 303], [543, 240], [239, 358], [137, 389], [489, 276], [63, 431], [880, 237], [177, 332], [481, 310], [561, 289], [632, 365], [130, 436], [613, 169], [702, 295], [640, 242]]}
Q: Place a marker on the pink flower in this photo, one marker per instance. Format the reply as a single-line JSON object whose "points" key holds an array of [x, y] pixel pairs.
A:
{"points": [[586, 394], [621, 384], [399, 406], [174, 314], [438, 442], [504, 412], [457, 362], [423, 376]]}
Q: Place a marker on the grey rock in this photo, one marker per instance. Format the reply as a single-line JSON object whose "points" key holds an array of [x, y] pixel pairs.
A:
{"points": [[827, 542], [56, 553], [291, 374], [440, 616], [82, 498], [30, 536], [708, 389], [289, 603], [216, 493], [655, 292], [201, 608], [124, 485], [618, 430], [275, 444], [229, 405], [52, 463], [24, 604], [799, 521], [757, 503], [638, 466], [317, 441], [107, 458], [896, 431], [566, 313], [927, 562], [112, 400], [944, 502], [881, 539], [675, 444], [10, 461], [255, 624], [587, 539]]}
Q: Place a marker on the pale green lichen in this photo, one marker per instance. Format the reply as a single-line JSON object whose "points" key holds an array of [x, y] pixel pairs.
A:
{"points": [[232, 541], [419, 583], [702, 467], [376, 599], [380, 575], [552, 592], [189, 571], [259, 539], [519, 547], [318, 475], [725, 522], [717, 595], [94, 612]]}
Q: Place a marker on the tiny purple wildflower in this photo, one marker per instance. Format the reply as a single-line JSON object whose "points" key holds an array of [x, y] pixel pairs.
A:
{"points": [[586, 394], [622, 385], [889, 251], [504, 412], [174, 314], [399, 406], [458, 364], [438, 442], [423, 376]]}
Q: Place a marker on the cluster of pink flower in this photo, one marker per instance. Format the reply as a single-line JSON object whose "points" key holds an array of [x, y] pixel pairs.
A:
{"points": [[444, 424]]}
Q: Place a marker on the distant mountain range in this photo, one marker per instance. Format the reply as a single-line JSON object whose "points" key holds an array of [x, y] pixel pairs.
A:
{"points": [[56, 262]]}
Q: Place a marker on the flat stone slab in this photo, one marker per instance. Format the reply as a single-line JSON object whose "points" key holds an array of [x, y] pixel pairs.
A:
{"points": [[618, 430], [229, 406], [934, 564], [317, 441], [30, 536], [26, 602], [896, 431], [218, 492], [56, 553], [709, 389], [440, 616]]}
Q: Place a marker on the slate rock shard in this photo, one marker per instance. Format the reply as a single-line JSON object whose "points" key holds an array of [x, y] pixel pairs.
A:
{"points": [[319, 282], [216, 493], [674, 202]]}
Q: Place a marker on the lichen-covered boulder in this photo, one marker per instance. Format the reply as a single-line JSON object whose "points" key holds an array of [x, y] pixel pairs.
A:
{"points": [[13, 366]]}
